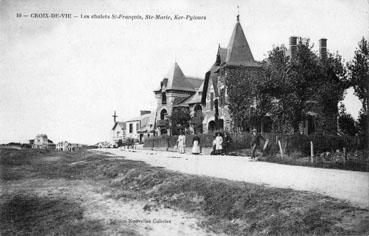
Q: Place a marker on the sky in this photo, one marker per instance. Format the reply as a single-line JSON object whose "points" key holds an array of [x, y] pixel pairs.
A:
{"points": [[66, 76]]}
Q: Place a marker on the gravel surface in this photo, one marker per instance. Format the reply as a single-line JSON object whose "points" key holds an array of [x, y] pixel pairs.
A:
{"points": [[352, 186]]}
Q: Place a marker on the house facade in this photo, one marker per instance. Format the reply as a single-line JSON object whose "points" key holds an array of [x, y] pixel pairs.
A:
{"points": [[42, 142], [235, 60], [207, 99], [175, 89], [137, 128], [119, 131], [62, 146]]}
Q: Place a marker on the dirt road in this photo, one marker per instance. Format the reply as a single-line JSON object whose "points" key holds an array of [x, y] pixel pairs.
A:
{"points": [[351, 186]]}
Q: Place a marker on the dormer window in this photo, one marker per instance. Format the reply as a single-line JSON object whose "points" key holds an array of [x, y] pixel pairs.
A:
{"points": [[163, 99]]}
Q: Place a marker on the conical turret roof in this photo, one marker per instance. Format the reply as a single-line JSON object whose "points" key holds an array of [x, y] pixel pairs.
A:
{"points": [[178, 81], [175, 76], [238, 51]]}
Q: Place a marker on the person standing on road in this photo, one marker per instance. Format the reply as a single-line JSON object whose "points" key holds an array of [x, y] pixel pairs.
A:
{"points": [[226, 143], [213, 147], [181, 143], [196, 145], [257, 141], [218, 144]]}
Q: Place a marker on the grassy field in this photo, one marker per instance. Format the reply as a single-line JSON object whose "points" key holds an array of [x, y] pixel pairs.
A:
{"points": [[27, 206]]}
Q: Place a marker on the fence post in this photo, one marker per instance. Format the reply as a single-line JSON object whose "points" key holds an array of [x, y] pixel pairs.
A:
{"points": [[280, 148], [344, 155], [311, 151]]}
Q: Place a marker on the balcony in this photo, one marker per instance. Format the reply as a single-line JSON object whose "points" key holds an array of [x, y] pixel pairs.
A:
{"points": [[162, 123]]}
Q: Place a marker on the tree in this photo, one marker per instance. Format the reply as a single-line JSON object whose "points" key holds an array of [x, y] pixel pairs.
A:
{"points": [[346, 122], [363, 129], [331, 89], [289, 85], [304, 73], [296, 85], [241, 89], [359, 73], [275, 90], [289, 89], [359, 77], [180, 120]]}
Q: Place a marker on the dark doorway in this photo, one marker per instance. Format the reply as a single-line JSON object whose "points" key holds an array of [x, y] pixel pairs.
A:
{"points": [[211, 126]]}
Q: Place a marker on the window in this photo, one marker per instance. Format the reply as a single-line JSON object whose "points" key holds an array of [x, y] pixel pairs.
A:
{"points": [[130, 128], [211, 101], [163, 114], [163, 98], [136, 127], [198, 111], [222, 97]]}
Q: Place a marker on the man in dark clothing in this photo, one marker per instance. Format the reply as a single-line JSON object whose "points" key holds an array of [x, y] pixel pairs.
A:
{"points": [[257, 141], [226, 143], [196, 145]]}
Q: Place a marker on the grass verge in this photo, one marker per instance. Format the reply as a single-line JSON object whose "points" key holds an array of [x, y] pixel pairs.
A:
{"points": [[234, 208]]}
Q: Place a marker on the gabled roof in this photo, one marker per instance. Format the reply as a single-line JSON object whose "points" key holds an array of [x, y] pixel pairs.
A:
{"points": [[195, 82], [176, 80], [122, 124], [138, 118], [201, 86], [144, 120], [179, 100], [196, 98], [205, 87], [222, 52], [238, 51]]}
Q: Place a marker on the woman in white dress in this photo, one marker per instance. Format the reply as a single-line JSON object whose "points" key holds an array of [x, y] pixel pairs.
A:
{"points": [[181, 143], [218, 144]]}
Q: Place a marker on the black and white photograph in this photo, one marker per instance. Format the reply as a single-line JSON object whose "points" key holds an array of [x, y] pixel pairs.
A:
{"points": [[184, 117]]}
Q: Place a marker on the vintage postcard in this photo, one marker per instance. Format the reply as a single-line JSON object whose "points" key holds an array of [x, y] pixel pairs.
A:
{"points": [[184, 117]]}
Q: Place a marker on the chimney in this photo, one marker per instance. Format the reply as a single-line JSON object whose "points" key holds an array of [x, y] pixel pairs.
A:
{"points": [[293, 46], [323, 48], [144, 112]]}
